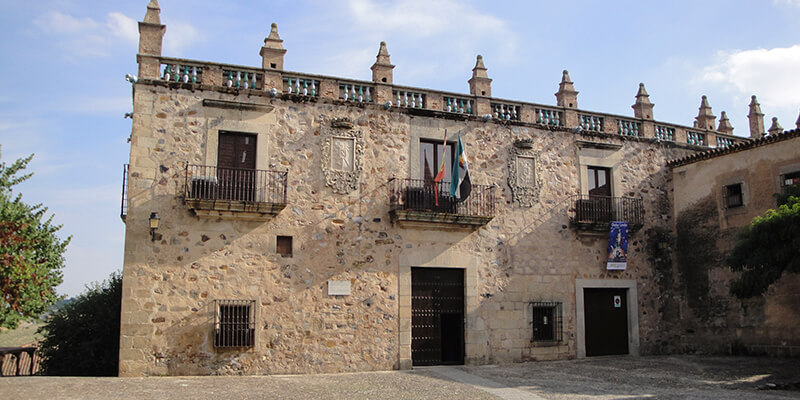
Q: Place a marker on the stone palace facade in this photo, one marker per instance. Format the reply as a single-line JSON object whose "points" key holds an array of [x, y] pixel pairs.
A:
{"points": [[281, 222]]}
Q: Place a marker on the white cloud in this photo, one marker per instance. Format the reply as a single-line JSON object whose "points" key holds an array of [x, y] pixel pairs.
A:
{"points": [[123, 27], [443, 33], [90, 38], [771, 74], [793, 3], [56, 22], [179, 36], [423, 18]]}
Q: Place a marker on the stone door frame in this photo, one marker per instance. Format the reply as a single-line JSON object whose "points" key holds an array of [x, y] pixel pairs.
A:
{"points": [[633, 310], [447, 259]]}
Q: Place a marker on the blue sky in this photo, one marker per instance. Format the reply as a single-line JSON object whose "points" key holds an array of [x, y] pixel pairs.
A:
{"points": [[63, 93]]}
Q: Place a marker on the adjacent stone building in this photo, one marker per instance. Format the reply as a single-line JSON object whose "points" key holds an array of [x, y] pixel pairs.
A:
{"points": [[716, 193], [281, 222]]}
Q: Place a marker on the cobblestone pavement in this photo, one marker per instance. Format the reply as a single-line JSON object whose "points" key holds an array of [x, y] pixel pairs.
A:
{"points": [[669, 377]]}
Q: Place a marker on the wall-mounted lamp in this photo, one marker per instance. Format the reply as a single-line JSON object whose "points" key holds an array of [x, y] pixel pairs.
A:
{"points": [[154, 220]]}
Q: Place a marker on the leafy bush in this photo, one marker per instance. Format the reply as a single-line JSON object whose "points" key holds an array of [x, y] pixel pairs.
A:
{"points": [[766, 249], [82, 337]]}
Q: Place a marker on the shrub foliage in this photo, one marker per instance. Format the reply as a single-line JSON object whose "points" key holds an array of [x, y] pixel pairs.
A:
{"points": [[82, 337], [766, 249]]}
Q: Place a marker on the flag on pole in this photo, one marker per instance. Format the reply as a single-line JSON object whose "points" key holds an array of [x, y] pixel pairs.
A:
{"points": [[462, 185], [441, 172]]}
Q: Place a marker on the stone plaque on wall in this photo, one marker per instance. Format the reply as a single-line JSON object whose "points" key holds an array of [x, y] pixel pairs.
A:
{"points": [[338, 288], [526, 171], [342, 149], [524, 177], [342, 156]]}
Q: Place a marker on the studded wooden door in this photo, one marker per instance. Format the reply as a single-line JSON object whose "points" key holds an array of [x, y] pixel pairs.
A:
{"points": [[437, 316]]}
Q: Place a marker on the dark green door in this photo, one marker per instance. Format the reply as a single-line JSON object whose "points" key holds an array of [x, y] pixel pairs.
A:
{"points": [[606, 321]]}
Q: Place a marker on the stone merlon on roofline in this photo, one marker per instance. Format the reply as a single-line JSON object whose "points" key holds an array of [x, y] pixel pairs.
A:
{"points": [[271, 80]]}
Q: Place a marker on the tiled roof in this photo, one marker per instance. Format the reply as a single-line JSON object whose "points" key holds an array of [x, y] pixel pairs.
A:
{"points": [[742, 146]]}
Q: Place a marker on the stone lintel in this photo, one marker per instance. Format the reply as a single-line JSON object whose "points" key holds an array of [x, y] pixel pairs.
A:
{"points": [[235, 105], [598, 145]]}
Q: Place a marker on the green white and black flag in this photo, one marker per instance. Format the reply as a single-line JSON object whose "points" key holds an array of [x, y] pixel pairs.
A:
{"points": [[462, 185]]}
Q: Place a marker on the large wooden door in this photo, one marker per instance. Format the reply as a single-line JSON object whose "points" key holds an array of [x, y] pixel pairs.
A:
{"points": [[236, 164], [606, 321], [437, 316]]}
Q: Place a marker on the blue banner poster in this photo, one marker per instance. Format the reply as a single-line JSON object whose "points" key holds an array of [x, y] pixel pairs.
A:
{"points": [[617, 246]]}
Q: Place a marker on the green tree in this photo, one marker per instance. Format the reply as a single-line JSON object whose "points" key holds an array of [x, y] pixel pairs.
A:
{"points": [[82, 337], [766, 249], [31, 255]]}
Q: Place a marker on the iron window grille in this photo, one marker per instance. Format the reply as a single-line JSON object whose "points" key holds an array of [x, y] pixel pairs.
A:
{"points": [[546, 322], [234, 323], [733, 196]]}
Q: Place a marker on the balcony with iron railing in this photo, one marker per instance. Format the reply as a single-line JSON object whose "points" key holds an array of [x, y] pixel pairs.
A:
{"points": [[595, 213], [231, 192], [415, 201]]}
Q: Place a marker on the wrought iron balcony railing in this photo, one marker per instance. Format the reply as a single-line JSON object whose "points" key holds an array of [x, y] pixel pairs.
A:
{"points": [[596, 212], [204, 182], [430, 201], [123, 212]]}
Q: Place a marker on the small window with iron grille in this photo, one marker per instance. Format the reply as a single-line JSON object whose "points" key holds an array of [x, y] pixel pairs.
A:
{"points": [[234, 323], [733, 195], [546, 322]]}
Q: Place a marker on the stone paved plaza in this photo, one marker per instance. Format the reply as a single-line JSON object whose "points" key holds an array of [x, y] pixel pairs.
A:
{"points": [[665, 377]]}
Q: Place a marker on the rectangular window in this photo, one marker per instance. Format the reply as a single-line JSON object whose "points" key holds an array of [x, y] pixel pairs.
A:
{"points": [[599, 181], [546, 322], [283, 246], [791, 179], [733, 195], [234, 323], [430, 159]]}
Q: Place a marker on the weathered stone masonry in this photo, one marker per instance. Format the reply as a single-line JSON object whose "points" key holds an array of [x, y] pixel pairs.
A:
{"points": [[341, 227]]}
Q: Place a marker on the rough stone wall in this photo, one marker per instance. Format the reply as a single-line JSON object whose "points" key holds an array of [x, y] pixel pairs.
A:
{"points": [[524, 254], [713, 321]]}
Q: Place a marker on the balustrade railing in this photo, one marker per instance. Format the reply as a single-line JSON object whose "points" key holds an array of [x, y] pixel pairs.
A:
{"points": [[724, 142], [408, 99], [182, 73], [506, 112], [601, 210], [546, 116], [590, 122], [356, 93], [301, 86], [188, 71], [628, 128], [458, 105], [242, 79], [430, 196], [696, 138], [664, 133], [205, 182]]}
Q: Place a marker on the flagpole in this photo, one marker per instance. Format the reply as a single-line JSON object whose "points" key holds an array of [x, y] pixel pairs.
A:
{"points": [[441, 172]]}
